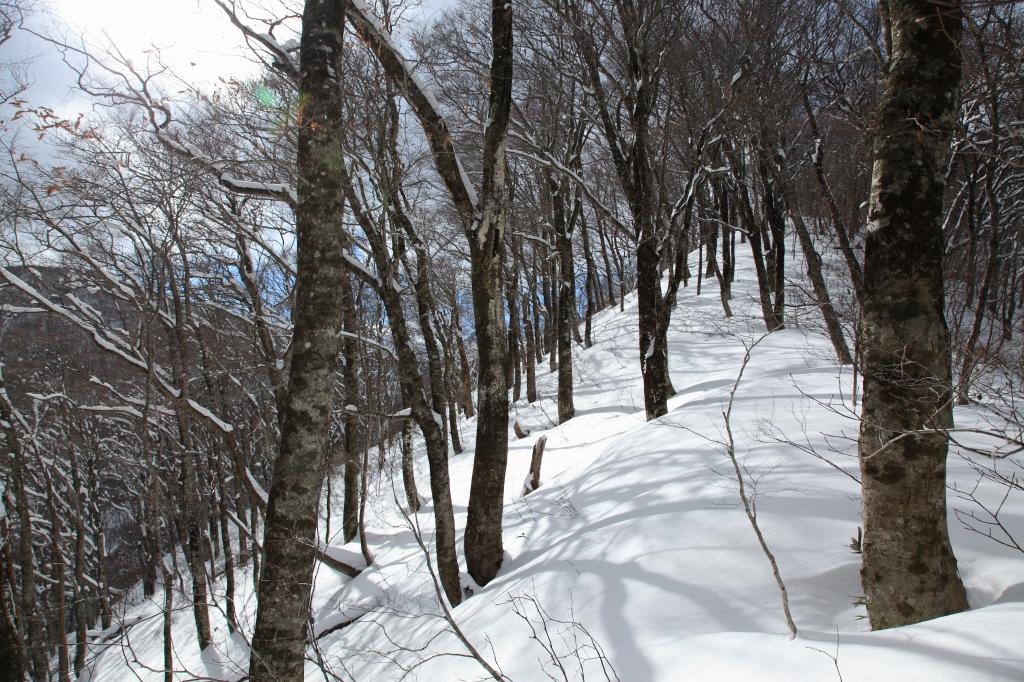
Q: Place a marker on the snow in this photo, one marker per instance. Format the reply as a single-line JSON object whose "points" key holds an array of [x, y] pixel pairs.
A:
{"points": [[637, 535], [257, 488], [364, 273], [211, 417]]}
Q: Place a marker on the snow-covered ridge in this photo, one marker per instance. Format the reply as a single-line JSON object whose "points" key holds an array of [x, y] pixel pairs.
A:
{"points": [[634, 550]]}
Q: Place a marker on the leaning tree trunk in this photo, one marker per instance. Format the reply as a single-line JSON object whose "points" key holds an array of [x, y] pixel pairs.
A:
{"points": [[279, 641], [428, 416], [814, 270], [483, 222], [909, 572]]}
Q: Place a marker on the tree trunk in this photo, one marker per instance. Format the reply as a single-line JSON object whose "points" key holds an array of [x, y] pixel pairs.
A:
{"points": [[594, 299], [530, 359], [412, 496], [487, 489], [909, 572], [814, 273], [970, 359], [653, 329], [279, 640], [353, 438], [229, 557], [465, 375], [58, 568], [763, 281], [842, 233], [565, 283], [426, 415]]}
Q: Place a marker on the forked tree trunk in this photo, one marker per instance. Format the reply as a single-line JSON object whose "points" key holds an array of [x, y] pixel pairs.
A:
{"points": [[909, 572], [487, 489], [483, 221], [279, 640]]}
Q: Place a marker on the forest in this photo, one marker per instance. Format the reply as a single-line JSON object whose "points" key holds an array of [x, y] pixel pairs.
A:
{"points": [[277, 353]]}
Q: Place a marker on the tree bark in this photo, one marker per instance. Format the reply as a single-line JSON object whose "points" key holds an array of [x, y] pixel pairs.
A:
{"points": [[279, 641], [412, 496], [909, 572], [353, 437], [565, 283], [483, 221]]}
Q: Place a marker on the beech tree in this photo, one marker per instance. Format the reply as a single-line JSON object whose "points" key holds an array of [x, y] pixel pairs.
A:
{"points": [[279, 640], [909, 572], [160, 250]]}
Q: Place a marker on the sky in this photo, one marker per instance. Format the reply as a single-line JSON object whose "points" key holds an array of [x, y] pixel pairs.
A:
{"points": [[195, 37]]}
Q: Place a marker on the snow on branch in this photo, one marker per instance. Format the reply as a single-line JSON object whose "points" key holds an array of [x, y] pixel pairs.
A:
{"points": [[100, 338], [263, 190], [424, 103], [282, 60]]}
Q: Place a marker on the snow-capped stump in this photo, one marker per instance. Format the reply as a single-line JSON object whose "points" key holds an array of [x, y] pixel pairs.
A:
{"points": [[533, 477], [521, 433]]}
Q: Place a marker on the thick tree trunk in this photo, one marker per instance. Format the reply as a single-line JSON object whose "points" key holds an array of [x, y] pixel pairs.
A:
{"points": [[279, 640], [483, 222], [487, 489], [909, 572], [483, 526]]}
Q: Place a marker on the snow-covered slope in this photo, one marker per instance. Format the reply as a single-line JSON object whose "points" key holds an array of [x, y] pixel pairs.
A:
{"points": [[635, 554]]}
